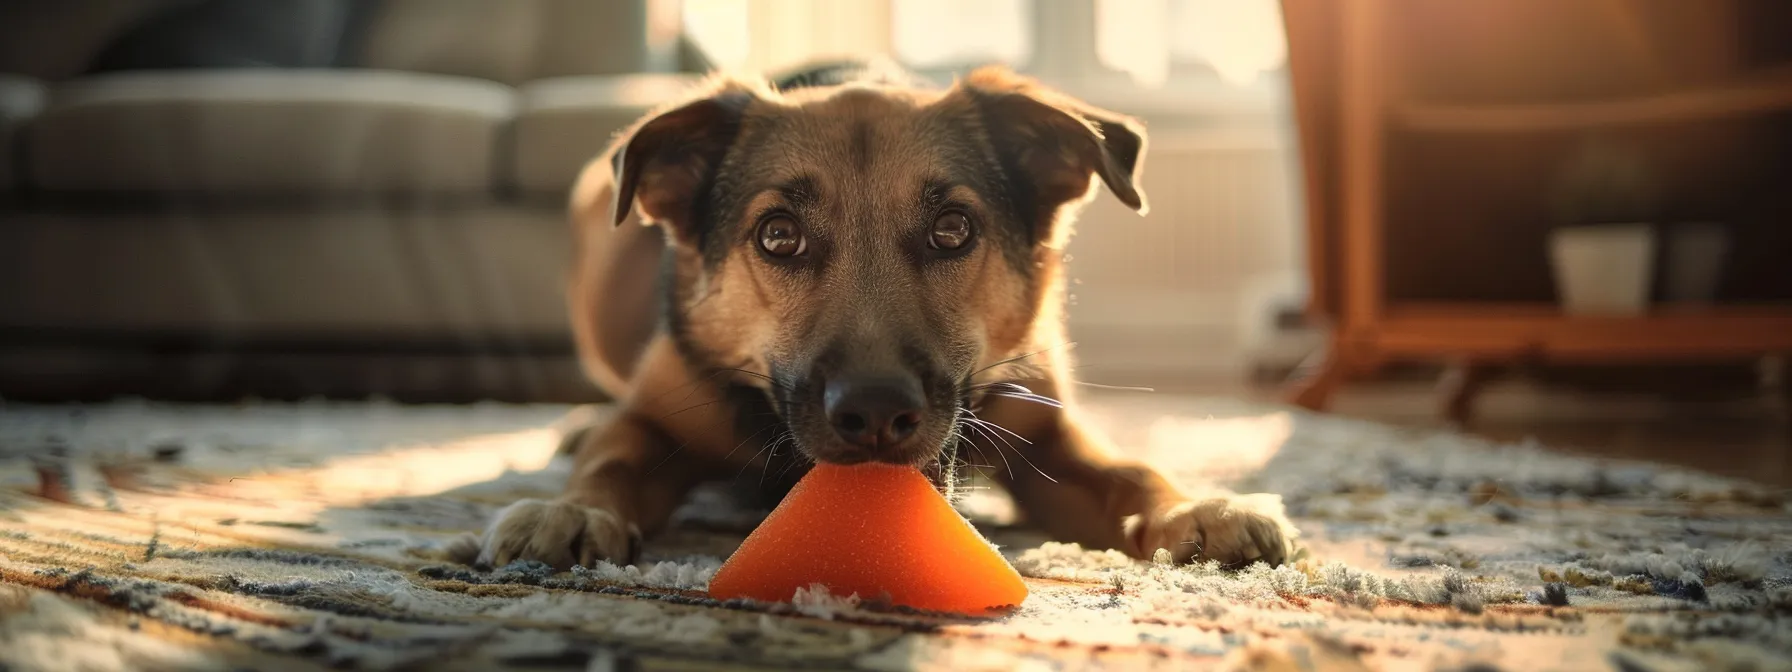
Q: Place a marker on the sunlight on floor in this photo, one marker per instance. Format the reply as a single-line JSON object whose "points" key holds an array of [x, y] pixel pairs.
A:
{"points": [[428, 469], [1217, 448], [296, 497]]}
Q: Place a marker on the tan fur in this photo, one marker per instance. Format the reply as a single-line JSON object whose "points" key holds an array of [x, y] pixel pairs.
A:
{"points": [[678, 428]]}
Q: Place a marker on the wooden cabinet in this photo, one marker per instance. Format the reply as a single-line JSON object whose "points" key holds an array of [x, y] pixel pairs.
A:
{"points": [[1429, 133]]}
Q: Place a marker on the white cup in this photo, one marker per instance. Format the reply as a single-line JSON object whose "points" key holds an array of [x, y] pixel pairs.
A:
{"points": [[1603, 269]]}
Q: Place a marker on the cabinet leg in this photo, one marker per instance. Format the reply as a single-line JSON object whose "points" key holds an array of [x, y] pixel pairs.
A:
{"points": [[1315, 379], [1457, 389]]}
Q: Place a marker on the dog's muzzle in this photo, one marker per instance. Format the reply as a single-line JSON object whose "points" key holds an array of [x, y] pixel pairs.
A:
{"points": [[879, 414]]}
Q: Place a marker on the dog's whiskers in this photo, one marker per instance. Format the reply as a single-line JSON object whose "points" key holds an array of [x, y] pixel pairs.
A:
{"points": [[1035, 398], [1002, 385], [1017, 358], [959, 438], [799, 457], [769, 445], [773, 382], [688, 388], [964, 439], [948, 464], [1014, 391], [985, 434], [712, 424], [1004, 430], [766, 467], [1121, 388], [1023, 455], [686, 409], [744, 441]]}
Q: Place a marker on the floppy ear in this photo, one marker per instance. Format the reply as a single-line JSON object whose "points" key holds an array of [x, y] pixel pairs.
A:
{"points": [[1057, 143], [663, 165]]}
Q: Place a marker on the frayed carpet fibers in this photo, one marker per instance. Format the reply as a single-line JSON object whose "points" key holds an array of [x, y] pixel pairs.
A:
{"points": [[325, 535]]}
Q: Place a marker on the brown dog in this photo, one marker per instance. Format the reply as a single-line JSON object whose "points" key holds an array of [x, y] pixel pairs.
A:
{"points": [[854, 272]]}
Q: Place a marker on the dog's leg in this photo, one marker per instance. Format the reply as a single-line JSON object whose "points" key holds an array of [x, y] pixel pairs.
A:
{"points": [[1068, 482], [615, 494], [628, 475]]}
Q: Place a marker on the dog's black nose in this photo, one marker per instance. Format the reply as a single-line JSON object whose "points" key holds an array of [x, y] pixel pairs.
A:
{"points": [[874, 412]]}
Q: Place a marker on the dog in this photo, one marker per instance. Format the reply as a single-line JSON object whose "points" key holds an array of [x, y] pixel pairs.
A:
{"points": [[850, 266]]}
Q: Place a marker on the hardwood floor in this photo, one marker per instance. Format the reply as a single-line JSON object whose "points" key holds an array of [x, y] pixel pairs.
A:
{"points": [[1745, 439], [1750, 438]]}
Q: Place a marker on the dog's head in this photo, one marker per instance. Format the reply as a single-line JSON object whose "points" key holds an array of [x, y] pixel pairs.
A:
{"points": [[861, 251]]}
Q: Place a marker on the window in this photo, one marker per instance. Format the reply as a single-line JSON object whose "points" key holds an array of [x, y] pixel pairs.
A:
{"points": [[719, 28], [773, 35], [1153, 42], [1132, 36], [1239, 39], [954, 34]]}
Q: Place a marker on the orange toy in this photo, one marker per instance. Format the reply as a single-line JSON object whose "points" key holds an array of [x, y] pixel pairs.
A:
{"points": [[870, 529]]}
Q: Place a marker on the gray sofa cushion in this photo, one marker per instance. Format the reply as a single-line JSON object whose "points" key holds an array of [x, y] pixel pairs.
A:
{"points": [[321, 274], [55, 39], [564, 122], [237, 34], [465, 38], [21, 98], [518, 41], [269, 130]]}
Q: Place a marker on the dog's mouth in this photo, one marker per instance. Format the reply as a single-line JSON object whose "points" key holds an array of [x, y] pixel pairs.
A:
{"points": [[918, 445], [912, 428], [872, 420]]}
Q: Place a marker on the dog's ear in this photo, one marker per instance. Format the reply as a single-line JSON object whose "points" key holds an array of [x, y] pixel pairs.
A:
{"points": [[1057, 143], [663, 163]]}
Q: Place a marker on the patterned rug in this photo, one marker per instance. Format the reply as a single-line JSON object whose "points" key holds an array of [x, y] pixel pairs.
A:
{"points": [[313, 536]]}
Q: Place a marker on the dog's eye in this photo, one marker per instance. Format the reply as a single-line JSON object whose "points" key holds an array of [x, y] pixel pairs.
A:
{"points": [[781, 237], [950, 232]]}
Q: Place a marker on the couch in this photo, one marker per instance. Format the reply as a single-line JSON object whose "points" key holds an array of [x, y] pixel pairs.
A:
{"points": [[383, 216]]}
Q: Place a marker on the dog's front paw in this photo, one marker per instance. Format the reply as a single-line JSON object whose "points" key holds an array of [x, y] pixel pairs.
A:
{"points": [[1221, 529], [559, 533]]}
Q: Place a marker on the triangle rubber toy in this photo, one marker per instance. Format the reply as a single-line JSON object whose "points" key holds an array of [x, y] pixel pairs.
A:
{"points": [[873, 530]]}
